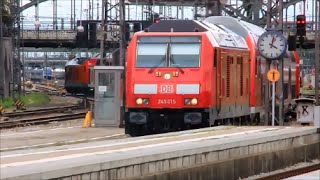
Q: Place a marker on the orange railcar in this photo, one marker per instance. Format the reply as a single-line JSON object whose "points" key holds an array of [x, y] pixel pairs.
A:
{"points": [[258, 66], [77, 75]]}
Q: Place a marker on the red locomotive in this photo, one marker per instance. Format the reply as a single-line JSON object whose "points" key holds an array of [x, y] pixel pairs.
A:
{"points": [[186, 72], [182, 73]]}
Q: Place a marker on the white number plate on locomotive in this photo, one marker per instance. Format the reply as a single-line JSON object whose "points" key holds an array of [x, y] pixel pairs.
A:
{"points": [[167, 101]]}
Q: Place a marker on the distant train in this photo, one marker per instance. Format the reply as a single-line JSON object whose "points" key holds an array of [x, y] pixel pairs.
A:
{"points": [[39, 74], [78, 74], [184, 73], [35, 70]]}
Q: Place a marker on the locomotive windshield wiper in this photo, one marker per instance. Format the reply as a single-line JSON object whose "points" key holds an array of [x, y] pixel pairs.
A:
{"points": [[162, 60], [153, 67], [176, 65]]}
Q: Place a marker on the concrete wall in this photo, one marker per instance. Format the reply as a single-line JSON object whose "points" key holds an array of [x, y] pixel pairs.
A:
{"points": [[225, 164], [240, 156], [6, 67], [241, 168]]}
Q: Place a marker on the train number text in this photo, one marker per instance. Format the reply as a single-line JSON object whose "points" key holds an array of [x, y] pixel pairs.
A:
{"points": [[167, 101]]}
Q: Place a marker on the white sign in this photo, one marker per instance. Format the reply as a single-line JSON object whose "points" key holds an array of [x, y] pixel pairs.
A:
{"points": [[102, 88]]}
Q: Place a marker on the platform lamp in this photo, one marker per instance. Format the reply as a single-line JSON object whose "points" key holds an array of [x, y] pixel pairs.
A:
{"points": [[37, 23], [126, 2], [80, 28]]}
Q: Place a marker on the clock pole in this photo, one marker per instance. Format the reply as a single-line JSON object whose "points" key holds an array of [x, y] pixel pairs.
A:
{"points": [[281, 84], [272, 54], [268, 63], [317, 55]]}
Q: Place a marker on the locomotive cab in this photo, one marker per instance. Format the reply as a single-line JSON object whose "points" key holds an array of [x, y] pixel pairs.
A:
{"points": [[165, 76]]}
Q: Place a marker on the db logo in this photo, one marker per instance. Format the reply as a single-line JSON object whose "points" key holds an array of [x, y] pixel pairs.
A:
{"points": [[166, 89]]}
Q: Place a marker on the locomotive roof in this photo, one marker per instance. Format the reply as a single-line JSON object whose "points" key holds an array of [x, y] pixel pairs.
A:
{"points": [[223, 35], [76, 61], [238, 26], [176, 26]]}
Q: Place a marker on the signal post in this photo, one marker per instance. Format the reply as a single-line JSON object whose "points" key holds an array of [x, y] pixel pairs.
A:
{"points": [[273, 76]]}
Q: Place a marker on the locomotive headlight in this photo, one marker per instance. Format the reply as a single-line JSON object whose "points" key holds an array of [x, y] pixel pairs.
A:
{"points": [[139, 101], [187, 101], [194, 101], [145, 101]]}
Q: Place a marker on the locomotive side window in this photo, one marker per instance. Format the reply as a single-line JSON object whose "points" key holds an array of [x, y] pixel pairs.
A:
{"points": [[240, 62], [285, 91], [215, 58], [256, 67], [151, 55], [185, 55], [228, 75]]}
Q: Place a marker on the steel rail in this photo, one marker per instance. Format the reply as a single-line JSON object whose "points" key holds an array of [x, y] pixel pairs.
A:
{"points": [[41, 111], [291, 173], [41, 120]]}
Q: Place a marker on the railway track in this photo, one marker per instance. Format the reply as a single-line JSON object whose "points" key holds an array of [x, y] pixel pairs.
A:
{"points": [[42, 111], [291, 173], [41, 120]]}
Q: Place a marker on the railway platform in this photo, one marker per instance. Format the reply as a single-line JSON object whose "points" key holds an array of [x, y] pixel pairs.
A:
{"points": [[210, 153], [32, 138]]}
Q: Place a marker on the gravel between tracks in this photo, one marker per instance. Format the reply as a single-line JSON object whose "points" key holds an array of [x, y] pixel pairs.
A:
{"points": [[51, 125]]}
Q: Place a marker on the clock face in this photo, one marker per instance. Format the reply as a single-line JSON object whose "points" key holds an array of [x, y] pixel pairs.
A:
{"points": [[272, 45]]}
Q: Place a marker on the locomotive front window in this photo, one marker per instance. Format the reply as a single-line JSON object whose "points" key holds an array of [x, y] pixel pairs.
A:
{"points": [[151, 55], [185, 55]]}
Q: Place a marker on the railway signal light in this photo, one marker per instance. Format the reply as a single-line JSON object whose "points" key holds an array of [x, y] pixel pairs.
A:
{"points": [[301, 25]]}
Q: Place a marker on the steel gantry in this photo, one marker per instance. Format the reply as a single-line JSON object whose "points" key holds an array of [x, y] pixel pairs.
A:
{"points": [[261, 12], [254, 11]]}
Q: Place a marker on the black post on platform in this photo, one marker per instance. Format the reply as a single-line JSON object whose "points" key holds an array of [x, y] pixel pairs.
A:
{"points": [[1, 49], [123, 43], [317, 54]]}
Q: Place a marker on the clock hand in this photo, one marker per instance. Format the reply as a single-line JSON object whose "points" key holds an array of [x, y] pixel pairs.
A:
{"points": [[273, 40], [273, 46]]}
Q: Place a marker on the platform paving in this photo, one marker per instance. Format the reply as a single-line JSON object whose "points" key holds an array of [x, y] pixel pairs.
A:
{"points": [[143, 156], [58, 136]]}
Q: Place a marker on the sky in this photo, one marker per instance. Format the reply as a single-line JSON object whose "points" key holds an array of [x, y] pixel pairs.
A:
{"points": [[64, 8]]}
